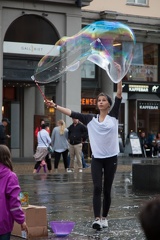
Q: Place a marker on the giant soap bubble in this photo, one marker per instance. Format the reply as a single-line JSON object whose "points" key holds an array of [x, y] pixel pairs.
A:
{"points": [[107, 44]]}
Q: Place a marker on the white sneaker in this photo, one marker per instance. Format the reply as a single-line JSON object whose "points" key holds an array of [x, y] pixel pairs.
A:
{"points": [[104, 223], [97, 224], [70, 170], [80, 170]]}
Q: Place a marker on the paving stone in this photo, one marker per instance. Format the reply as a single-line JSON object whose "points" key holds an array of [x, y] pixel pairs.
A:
{"points": [[68, 196]]}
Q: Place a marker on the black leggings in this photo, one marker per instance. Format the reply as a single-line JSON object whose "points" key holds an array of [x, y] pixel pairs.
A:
{"points": [[57, 156], [48, 161], [100, 167], [37, 164]]}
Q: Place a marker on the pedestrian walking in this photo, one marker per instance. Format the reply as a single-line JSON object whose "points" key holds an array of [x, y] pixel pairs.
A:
{"points": [[48, 156], [103, 136], [59, 142], [3, 135], [9, 196], [44, 142]]}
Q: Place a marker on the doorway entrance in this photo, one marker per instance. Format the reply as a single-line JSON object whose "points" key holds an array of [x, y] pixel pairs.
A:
{"points": [[20, 94]]}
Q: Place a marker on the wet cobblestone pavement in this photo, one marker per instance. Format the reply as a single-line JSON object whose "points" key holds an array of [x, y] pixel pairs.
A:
{"points": [[68, 196]]}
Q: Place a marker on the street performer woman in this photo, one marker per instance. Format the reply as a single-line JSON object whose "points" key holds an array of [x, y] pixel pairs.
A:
{"points": [[103, 136]]}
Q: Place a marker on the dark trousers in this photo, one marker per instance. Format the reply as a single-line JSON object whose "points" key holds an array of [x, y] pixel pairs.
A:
{"points": [[103, 170], [37, 164], [48, 162], [57, 156], [5, 236]]}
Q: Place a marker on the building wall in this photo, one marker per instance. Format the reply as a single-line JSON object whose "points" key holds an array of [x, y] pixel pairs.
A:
{"points": [[68, 19], [151, 10], [65, 16], [144, 21]]}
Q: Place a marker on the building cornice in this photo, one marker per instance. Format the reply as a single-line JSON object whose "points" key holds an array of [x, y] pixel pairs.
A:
{"points": [[147, 28], [79, 3]]}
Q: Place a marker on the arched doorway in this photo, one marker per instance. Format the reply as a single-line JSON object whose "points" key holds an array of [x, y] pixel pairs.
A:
{"points": [[32, 29], [18, 69]]}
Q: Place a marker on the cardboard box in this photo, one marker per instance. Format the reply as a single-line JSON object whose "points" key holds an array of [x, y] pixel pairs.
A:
{"points": [[36, 219]]}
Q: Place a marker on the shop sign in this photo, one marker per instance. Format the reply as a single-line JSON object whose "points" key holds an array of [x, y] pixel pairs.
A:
{"points": [[142, 88], [30, 48], [149, 105], [138, 88], [88, 101]]}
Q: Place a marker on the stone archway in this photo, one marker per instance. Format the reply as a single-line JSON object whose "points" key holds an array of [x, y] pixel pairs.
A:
{"points": [[26, 29], [32, 28], [17, 72]]}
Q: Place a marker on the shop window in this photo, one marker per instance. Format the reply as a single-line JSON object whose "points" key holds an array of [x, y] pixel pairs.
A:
{"points": [[132, 116], [141, 2], [148, 116], [88, 70], [144, 66], [88, 75]]}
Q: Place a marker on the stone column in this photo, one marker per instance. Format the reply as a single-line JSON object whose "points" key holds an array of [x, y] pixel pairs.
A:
{"points": [[39, 101], [68, 91], [29, 110]]}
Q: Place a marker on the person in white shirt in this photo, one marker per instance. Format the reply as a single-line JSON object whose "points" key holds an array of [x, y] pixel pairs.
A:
{"points": [[44, 141], [103, 136]]}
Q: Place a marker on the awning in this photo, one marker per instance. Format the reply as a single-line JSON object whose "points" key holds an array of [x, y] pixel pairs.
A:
{"points": [[145, 96]]}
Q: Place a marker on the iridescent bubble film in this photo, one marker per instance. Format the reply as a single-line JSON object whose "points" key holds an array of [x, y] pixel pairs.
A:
{"points": [[106, 44]]}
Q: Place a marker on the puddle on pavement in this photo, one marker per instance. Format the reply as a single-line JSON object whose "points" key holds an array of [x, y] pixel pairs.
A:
{"points": [[69, 197]]}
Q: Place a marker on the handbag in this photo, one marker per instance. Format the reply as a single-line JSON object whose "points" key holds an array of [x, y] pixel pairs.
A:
{"points": [[49, 148]]}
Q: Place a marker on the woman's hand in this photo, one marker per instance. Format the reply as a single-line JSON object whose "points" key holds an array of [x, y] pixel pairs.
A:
{"points": [[24, 227], [50, 103]]}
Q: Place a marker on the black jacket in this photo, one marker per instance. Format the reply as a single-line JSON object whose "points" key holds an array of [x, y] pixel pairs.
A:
{"points": [[2, 134], [77, 133]]}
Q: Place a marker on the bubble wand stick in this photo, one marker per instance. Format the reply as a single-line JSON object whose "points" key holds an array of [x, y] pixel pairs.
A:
{"points": [[42, 93]]}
